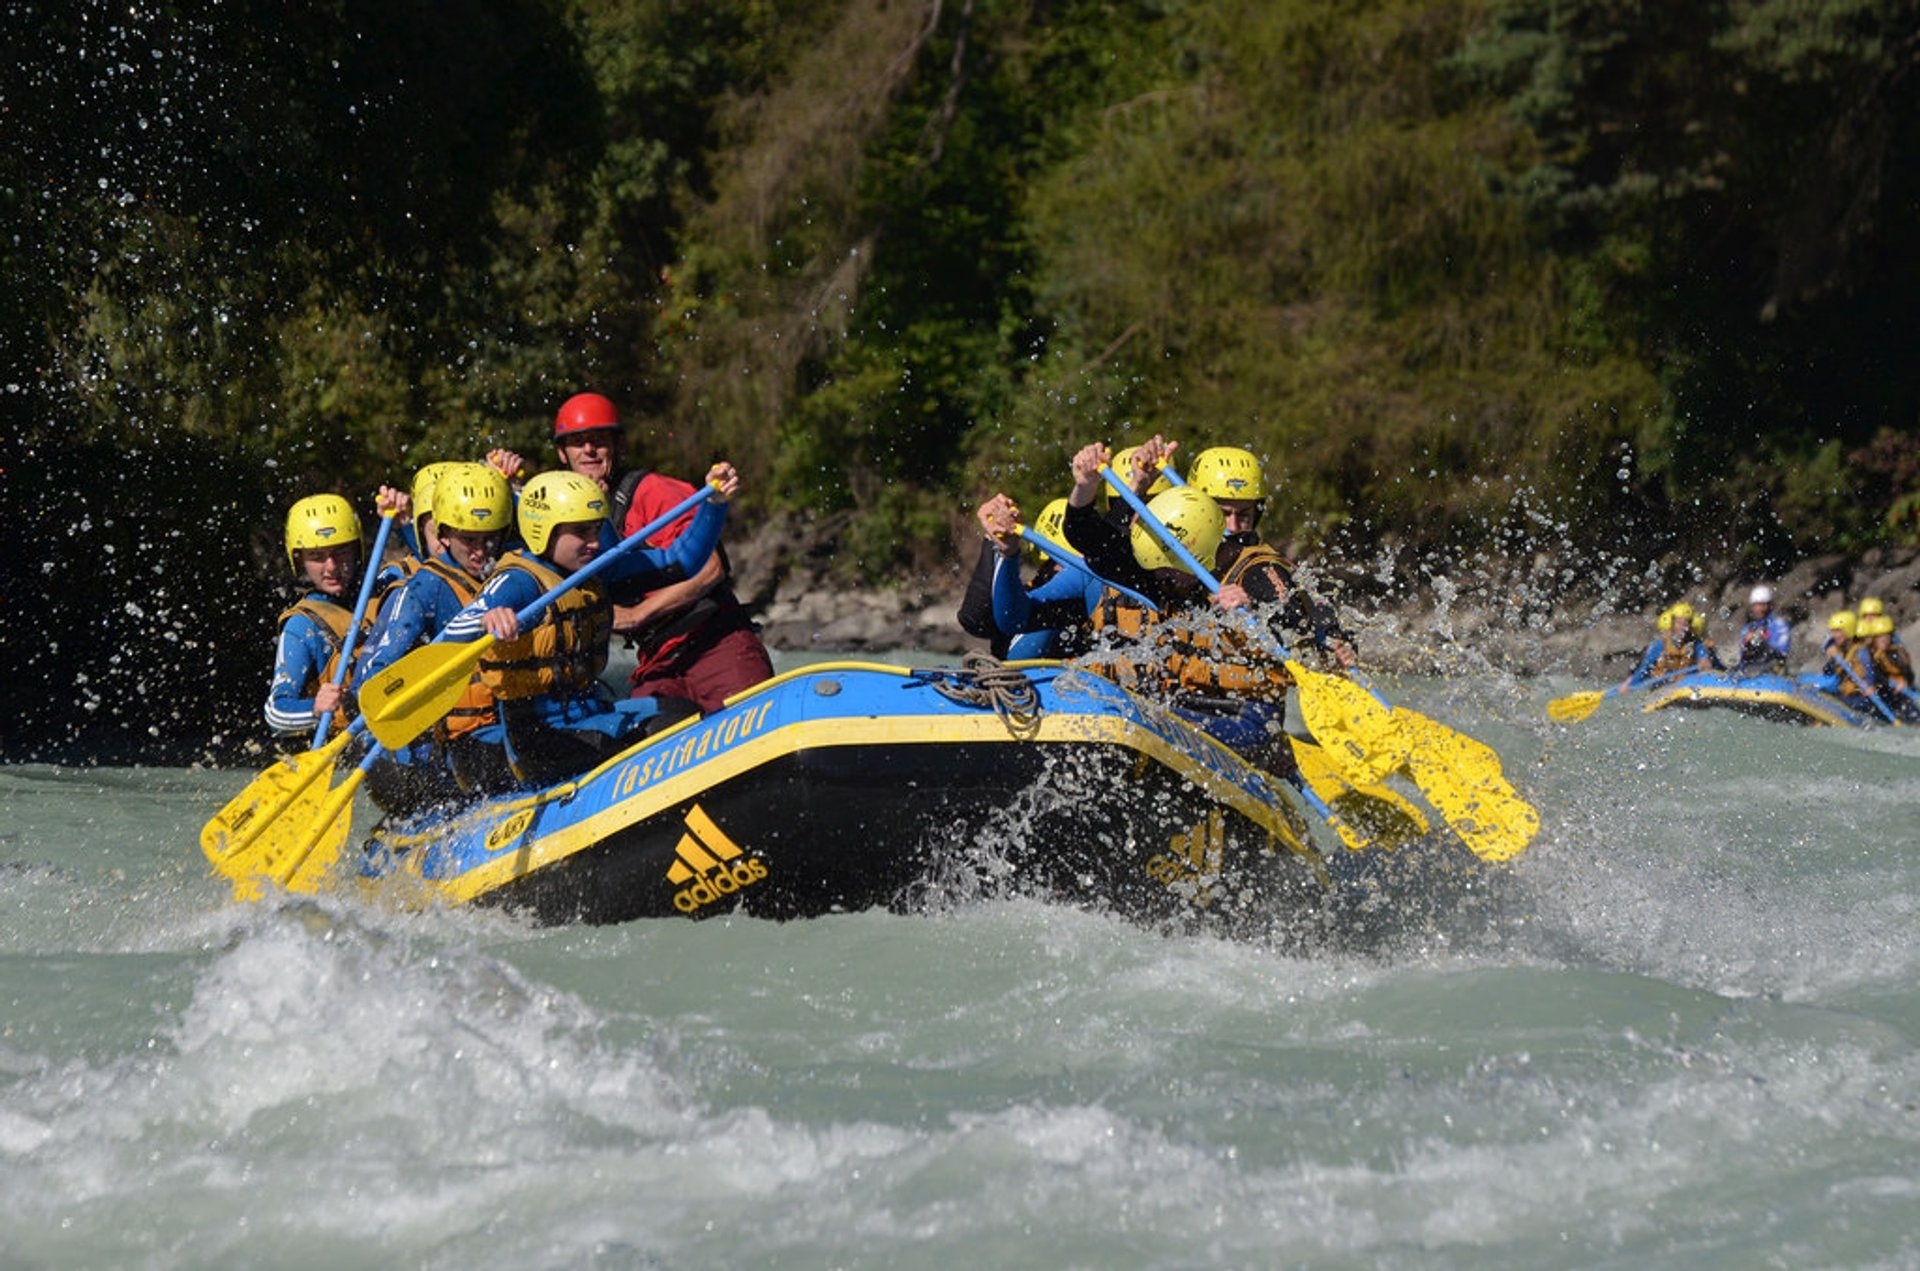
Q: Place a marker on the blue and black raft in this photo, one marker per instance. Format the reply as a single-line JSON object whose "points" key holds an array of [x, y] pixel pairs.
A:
{"points": [[1792, 699], [846, 786]]}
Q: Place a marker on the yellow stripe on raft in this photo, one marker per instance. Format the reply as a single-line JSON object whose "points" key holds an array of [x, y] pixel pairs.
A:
{"points": [[1749, 696], [1277, 819]]}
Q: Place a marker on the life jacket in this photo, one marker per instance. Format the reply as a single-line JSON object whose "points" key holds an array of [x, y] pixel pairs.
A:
{"points": [[333, 621], [1894, 665], [1865, 670], [562, 656], [475, 709], [622, 498], [1218, 658], [1125, 616], [1198, 657], [1676, 657]]}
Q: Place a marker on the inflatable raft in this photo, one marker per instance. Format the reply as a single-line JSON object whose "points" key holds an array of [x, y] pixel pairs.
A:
{"points": [[846, 786], [1794, 699]]}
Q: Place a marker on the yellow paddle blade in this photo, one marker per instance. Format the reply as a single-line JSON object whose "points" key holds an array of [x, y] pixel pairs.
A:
{"points": [[306, 867], [416, 692], [1358, 734], [1461, 777], [1575, 707], [293, 786], [1375, 816]]}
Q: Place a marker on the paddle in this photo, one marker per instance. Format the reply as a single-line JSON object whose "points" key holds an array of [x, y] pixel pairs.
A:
{"points": [[418, 690], [1066, 555], [1575, 707], [1369, 739], [1370, 816], [302, 869], [369, 568], [1846, 664], [229, 837]]}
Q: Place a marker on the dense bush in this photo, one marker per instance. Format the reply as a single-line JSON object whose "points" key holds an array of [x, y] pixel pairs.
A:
{"points": [[1645, 269]]}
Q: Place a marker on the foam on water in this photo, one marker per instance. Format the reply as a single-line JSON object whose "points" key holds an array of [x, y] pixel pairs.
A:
{"points": [[1680, 1032]]}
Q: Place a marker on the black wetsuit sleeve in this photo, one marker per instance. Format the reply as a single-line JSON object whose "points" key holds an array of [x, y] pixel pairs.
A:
{"points": [[976, 607], [1105, 546], [1303, 618]]}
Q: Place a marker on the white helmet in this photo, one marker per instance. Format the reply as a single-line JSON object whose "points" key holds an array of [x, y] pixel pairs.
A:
{"points": [[1761, 595]]}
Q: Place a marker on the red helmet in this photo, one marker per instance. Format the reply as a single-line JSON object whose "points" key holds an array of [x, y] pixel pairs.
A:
{"points": [[585, 412]]}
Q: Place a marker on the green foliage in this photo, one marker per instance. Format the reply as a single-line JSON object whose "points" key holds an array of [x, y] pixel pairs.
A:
{"points": [[1436, 259]]}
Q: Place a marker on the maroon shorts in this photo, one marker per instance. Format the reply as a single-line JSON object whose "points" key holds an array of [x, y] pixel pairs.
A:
{"points": [[708, 668]]}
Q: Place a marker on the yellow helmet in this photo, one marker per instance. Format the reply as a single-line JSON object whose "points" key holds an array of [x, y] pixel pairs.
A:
{"points": [[320, 520], [1665, 619], [553, 499], [1844, 622], [1679, 611], [1875, 625], [423, 486], [472, 497], [1123, 466], [1052, 524], [1227, 472], [1195, 520], [1872, 606]]}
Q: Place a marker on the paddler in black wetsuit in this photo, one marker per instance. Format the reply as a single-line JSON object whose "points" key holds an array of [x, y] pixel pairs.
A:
{"points": [[1186, 648]]}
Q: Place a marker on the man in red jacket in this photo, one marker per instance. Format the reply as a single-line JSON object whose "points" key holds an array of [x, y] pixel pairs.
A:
{"points": [[693, 637]]}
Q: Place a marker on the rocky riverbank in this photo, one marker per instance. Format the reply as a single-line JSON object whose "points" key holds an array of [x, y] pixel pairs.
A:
{"points": [[1535, 620]]}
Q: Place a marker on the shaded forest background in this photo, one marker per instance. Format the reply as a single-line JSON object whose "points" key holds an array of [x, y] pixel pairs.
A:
{"points": [[1602, 278]]}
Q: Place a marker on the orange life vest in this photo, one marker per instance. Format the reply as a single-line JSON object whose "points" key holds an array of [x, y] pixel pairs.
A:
{"points": [[333, 621], [475, 709], [564, 655], [1203, 654]]}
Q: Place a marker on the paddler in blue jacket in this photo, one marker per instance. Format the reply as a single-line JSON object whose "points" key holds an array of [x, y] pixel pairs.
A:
{"points": [[1209, 668], [1874, 607], [558, 718], [1765, 641], [470, 511], [1048, 618], [1883, 668], [324, 547], [1677, 648]]}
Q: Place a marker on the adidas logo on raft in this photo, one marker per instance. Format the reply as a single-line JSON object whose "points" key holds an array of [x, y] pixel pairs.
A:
{"points": [[708, 866]]}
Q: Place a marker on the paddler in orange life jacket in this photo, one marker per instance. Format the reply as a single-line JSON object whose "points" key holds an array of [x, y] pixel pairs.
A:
{"points": [[694, 639], [324, 547], [1235, 479], [1677, 648], [1840, 637], [1883, 667], [558, 718], [470, 511], [1183, 648]]}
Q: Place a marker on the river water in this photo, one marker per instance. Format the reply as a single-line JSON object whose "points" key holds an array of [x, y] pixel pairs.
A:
{"points": [[1685, 1032]]}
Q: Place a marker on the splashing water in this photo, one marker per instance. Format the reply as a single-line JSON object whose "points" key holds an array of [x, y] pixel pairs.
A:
{"points": [[1682, 1033]]}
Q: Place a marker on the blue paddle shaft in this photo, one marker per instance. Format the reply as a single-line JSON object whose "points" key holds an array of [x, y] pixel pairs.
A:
{"points": [[1069, 556], [1846, 664], [368, 568], [533, 610]]}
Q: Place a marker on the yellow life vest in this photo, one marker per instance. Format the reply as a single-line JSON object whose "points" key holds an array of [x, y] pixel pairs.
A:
{"points": [[475, 709], [562, 656], [1675, 657], [333, 621], [1850, 655], [1894, 665]]}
